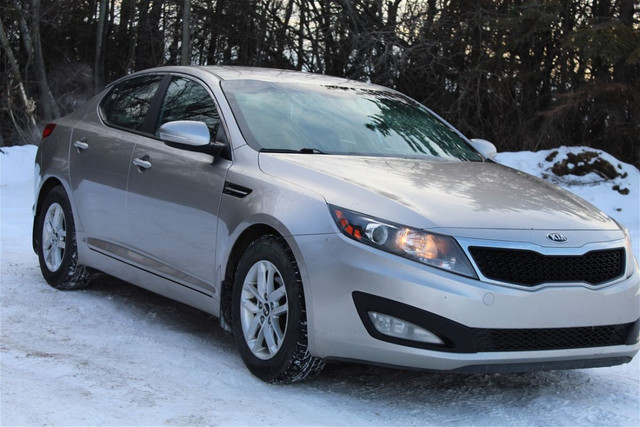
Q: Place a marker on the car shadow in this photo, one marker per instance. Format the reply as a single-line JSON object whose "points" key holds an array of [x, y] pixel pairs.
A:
{"points": [[401, 382], [148, 306]]}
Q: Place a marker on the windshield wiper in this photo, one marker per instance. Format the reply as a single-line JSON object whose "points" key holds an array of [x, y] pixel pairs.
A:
{"points": [[305, 150]]}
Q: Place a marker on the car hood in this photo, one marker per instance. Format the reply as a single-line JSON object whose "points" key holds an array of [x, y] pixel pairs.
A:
{"points": [[438, 194]]}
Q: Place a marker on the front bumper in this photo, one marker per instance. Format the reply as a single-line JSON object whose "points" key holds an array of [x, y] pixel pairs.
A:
{"points": [[337, 270]]}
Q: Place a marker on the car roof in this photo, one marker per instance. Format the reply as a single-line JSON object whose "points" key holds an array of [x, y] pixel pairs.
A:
{"points": [[271, 74], [229, 72]]}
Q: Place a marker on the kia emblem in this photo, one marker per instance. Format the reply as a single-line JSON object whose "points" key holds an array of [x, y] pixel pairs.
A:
{"points": [[556, 237]]}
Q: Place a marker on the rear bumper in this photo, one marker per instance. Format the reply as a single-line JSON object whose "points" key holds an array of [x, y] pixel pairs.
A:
{"points": [[338, 273]]}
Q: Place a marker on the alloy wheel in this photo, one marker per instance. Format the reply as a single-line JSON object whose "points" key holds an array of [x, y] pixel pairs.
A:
{"points": [[264, 309], [54, 237]]}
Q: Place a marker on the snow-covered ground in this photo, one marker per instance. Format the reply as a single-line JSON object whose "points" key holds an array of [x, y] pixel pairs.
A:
{"points": [[118, 355]]}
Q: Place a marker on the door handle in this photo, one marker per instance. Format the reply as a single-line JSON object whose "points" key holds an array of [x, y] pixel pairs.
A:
{"points": [[142, 163], [81, 144]]}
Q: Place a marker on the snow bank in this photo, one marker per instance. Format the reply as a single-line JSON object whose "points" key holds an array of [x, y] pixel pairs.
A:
{"points": [[16, 164]]}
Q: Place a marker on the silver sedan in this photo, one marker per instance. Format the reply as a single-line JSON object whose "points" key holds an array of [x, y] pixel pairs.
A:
{"points": [[326, 219]]}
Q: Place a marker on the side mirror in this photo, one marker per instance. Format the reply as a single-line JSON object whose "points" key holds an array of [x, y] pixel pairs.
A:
{"points": [[484, 147], [185, 132]]}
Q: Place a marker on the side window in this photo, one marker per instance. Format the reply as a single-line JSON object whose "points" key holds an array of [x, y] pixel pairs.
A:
{"points": [[188, 100], [128, 102]]}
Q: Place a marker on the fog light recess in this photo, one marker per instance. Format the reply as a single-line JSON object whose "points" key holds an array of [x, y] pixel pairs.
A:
{"points": [[394, 327]]}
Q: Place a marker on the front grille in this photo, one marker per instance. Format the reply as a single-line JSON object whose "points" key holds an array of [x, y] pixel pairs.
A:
{"points": [[549, 339], [529, 268]]}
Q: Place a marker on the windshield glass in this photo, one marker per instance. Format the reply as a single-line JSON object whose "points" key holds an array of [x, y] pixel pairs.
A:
{"points": [[309, 118]]}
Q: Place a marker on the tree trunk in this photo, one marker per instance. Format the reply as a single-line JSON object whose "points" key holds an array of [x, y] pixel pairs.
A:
{"points": [[29, 106], [25, 34], [623, 69], [301, 56], [47, 103], [185, 56], [215, 22], [98, 68]]}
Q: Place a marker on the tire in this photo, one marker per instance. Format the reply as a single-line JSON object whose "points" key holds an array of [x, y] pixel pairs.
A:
{"points": [[56, 240], [269, 317]]}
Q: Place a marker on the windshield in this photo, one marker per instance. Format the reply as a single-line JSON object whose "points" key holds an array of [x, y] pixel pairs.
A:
{"points": [[309, 118]]}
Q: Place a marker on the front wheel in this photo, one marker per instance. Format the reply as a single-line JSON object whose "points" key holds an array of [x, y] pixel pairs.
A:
{"points": [[269, 317], [57, 248]]}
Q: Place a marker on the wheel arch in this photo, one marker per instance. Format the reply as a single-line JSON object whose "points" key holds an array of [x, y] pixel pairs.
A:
{"points": [[245, 231], [248, 236]]}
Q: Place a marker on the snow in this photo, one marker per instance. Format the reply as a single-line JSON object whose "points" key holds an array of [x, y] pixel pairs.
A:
{"points": [[115, 354]]}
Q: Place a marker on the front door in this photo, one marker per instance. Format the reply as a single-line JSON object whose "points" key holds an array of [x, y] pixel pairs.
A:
{"points": [[173, 195]]}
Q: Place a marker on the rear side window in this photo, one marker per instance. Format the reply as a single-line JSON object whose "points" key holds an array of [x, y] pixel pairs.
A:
{"points": [[128, 102], [188, 100]]}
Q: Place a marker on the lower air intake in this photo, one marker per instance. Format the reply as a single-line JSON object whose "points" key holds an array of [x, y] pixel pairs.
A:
{"points": [[549, 339]]}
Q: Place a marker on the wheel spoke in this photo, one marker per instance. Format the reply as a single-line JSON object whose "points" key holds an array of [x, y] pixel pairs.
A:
{"points": [[277, 294], [57, 255], [250, 305], [253, 345], [262, 278], [270, 339], [48, 226], [48, 243], [258, 343], [58, 219], [48, 255], [52, 256], [252, 328], [281, 309], [270, 278], [251, 288], [279, 334]]}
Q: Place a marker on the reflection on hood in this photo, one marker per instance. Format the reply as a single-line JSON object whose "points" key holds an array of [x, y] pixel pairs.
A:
{"points": [[446, 194]]}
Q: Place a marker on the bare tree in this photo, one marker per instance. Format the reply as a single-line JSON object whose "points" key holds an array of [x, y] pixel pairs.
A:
{"points": [[185, 56], [48, 104], [98, 68], [28, 104]]}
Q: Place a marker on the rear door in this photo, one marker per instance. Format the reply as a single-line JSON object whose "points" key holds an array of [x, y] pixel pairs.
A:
{"points": [[174, 194], [100, 157]]}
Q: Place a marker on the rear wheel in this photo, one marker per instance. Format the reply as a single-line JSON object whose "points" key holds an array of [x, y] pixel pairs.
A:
{"points": [[269, 317], [57, 251]]}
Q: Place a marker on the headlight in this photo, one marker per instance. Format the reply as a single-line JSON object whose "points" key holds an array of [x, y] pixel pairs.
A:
{"points": [[432, 249]]}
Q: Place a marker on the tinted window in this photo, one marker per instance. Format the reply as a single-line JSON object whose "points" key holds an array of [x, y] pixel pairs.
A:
{"points": [[188, 100], [341, 120], [128, 102]]}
